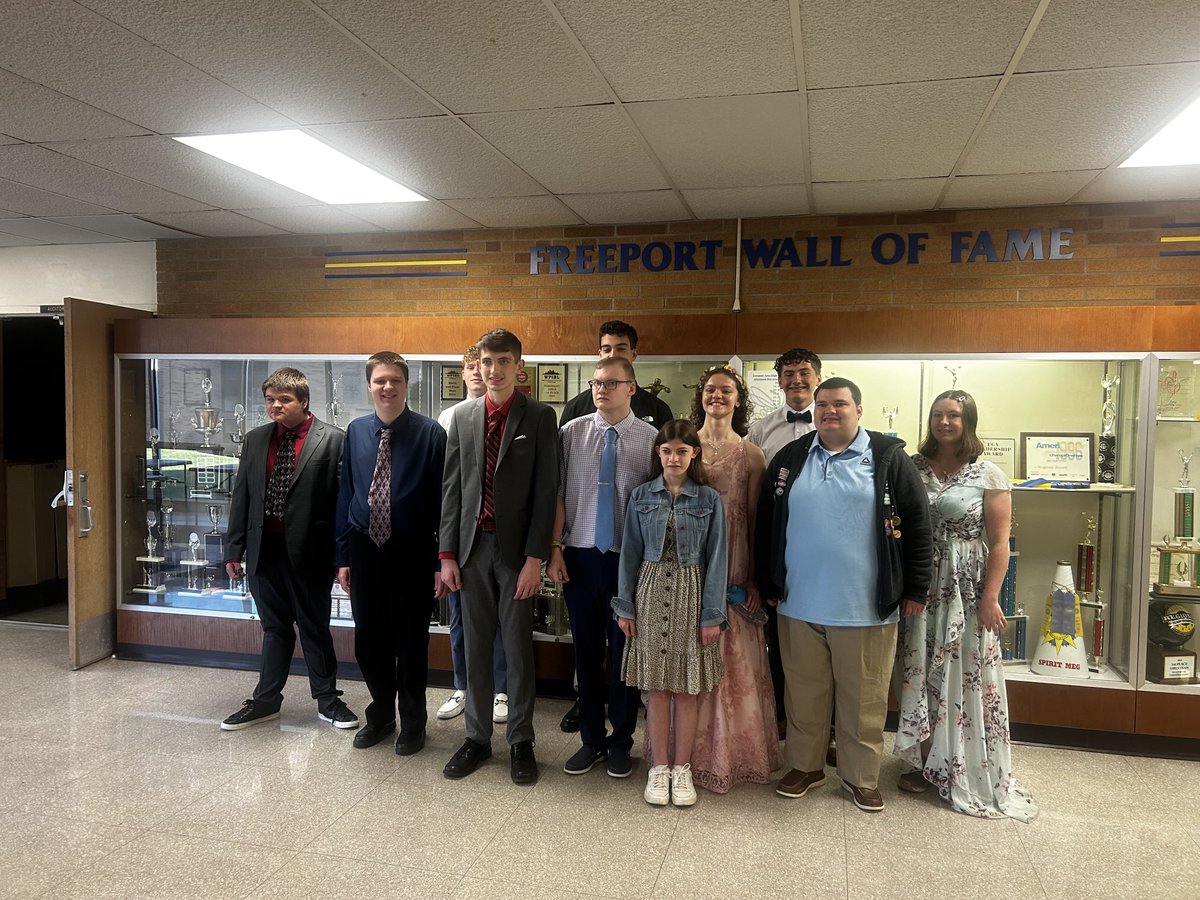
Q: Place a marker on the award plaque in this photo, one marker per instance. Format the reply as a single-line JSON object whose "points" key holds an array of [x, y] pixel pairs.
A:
{"points": [[552, 383], [1057, 457], [452, 383]]}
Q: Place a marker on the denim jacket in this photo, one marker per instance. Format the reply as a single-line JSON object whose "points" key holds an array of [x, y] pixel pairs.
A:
{"points": [[700, 539]]}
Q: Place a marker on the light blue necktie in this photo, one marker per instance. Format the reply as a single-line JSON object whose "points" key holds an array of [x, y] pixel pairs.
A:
{"points": [[606, 502]]}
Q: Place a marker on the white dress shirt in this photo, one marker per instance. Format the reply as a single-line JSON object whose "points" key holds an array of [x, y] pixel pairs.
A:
{"points": [[773, 431]]}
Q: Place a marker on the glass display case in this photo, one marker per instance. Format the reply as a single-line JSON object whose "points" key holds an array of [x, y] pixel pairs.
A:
{"points": [[1068, 503]]}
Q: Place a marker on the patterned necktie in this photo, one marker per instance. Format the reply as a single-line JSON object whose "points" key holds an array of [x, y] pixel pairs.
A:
{"points": [[606, 500], [379, 497], [281, 475], [805, 416], [492, 446]]}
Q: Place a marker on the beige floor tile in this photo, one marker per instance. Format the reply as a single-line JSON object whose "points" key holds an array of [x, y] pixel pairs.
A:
{"points": [[803, 862], [171, 867], [332, 750], [493, 777], [580, 846], [436, 827], [821, 812], [135, 790], [314, 875], [204, 739], [30, 767], [38, 852], [491, 889], [898, 869], [271, 807]]}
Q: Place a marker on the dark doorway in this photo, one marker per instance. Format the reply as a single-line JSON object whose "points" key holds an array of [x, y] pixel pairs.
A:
{"points": [[33, 421]]}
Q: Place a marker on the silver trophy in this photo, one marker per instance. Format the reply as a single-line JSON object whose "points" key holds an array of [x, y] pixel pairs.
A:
{"points": [[165, 528], [335, 400], [173, 435], [1107, 445], [890, 413], [151, 538], [239, 434], [154, 438], [214, 516], [206, 419], [195, 562]]}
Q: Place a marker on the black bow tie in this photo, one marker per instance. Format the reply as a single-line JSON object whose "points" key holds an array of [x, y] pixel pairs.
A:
{"points": [[805, 416]]}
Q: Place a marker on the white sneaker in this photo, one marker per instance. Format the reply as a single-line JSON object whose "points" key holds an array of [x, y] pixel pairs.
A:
{"points": [[658, 786], [682, 792], [500, 709], [453, 706]]}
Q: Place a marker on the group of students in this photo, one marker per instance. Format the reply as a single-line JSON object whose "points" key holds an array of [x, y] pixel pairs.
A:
{"points": [[748, 580]]}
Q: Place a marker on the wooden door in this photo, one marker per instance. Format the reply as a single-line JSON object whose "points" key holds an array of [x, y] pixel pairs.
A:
{"points": [[92, 538]]}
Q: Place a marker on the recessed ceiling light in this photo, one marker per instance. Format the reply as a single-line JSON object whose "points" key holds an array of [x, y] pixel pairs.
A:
{"points": [[1177, 144], [302, 163]]}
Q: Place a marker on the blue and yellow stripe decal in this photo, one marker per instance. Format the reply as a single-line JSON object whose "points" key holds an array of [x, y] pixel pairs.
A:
{"points": [[444, 263], [1171, 240]]}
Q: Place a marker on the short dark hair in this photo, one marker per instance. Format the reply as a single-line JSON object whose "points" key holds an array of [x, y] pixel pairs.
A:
{"points": [[741, 412], [288, 379], [971, 446], [618, 362], [617, 328], [680, 430], [797, 355], [835, 383], [387, 358], [500, 340]]}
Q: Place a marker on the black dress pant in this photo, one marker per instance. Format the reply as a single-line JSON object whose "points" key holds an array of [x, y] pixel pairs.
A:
{"points": [[284, 598], [391, 595], [774, 661]]}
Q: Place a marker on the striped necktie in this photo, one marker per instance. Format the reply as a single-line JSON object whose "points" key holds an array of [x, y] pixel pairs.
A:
{"points": [[495, 432]]}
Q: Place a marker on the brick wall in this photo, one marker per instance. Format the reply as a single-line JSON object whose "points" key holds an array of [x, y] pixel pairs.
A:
{"points": [[1115, 261]]}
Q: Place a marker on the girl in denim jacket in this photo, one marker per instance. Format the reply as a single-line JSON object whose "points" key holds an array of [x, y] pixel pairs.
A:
{"points": [[671, 604]]}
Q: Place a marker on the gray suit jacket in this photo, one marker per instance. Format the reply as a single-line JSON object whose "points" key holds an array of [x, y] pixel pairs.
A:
{"points": [[311, 500], [525, 483]]}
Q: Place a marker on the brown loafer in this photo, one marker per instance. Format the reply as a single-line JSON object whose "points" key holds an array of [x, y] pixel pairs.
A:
{"points": [[796, 784], [913, 783], [866, 799]]}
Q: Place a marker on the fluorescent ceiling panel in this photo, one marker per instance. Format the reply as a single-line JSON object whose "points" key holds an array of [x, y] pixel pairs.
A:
{"points": [[302, 163], [1177, 144]]}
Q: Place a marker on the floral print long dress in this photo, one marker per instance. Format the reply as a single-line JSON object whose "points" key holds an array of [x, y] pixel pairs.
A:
{"points": [[952, 694]]}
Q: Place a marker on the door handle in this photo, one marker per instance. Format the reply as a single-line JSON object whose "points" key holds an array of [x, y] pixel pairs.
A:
{"points": [[87, 517]]}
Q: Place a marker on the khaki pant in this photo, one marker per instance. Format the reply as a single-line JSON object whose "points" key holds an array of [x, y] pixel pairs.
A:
{"points": [[853, 665]]}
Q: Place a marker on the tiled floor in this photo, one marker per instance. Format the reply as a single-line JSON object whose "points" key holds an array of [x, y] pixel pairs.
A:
{"points": [[115, 781]]}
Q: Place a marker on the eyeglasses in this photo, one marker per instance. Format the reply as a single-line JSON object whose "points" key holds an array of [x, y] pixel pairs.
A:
{"points": [[610, 385]]}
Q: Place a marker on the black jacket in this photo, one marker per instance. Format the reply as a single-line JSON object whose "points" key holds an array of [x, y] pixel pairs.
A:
{"points": [[905, 562], [646, 406]]}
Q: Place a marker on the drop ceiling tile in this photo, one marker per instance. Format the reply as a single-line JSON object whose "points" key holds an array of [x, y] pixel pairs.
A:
{"points": [[1037, 189], [516, 212], [725, 141], [573, 151], [891, 41], [1063, 121], [703, 48], [9, 214], [436, 157], [130, 228], [618, 208], [54, 232], [319, 219], [36, 113], [12, 240], [876, 196], [33, 201], [286, 55], [1143, 183], [748, 202], [214, 223], [8, 139], [62, 45], [475, 57], [1093, 34], [183, 170], [39, 167], [431, 215], [893, 131]]}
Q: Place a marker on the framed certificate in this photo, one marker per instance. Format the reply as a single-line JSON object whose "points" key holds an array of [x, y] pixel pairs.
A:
{"points": [[1063, 456], [452, 383], [1002, 452], [552, 382]]}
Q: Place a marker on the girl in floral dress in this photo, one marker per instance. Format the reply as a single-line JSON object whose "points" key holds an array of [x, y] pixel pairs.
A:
{"points": [[953, 729]]}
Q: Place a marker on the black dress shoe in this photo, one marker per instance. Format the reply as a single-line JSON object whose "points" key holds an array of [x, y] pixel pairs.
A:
{"points": [[410, 742], [570, 721], [524, 766], [468, 758], [372, 733]]}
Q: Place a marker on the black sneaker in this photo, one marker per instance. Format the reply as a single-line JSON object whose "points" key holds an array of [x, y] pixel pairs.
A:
{"points": [[338, 715], [252, 713], [620, 764], [584, 759]]}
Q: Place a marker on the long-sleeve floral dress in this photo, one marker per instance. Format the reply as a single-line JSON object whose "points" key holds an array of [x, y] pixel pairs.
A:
{"points": [[952, 693]]}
